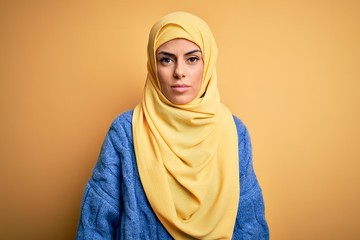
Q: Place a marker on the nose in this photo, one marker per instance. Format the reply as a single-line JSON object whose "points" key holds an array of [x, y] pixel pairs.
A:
{"points": [[179, 71]]}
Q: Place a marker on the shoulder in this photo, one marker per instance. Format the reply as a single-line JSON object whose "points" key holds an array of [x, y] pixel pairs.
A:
{"points": [[244, 145], [245, 150], [120, 131], [241, 129], [116, 155], [123, 118], [123, 122]]}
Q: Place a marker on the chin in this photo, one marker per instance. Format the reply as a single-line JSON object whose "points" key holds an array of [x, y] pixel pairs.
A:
{"points": [[181, 101]]}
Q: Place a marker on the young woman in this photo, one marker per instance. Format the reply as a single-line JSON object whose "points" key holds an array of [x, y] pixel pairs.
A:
{"points": [[178, 166]]}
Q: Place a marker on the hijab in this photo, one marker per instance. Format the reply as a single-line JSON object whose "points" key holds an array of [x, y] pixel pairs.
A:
{"points": [[187, 155]]}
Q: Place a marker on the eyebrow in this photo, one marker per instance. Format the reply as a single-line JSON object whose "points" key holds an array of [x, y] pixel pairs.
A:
{"points": [[173, 55]]}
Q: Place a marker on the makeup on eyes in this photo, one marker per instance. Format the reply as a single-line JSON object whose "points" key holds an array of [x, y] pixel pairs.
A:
{"points": [[166, 57]]}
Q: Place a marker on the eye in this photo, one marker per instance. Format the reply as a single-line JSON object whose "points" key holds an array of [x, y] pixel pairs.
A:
{"points": [[165, 60], [193, 59]]}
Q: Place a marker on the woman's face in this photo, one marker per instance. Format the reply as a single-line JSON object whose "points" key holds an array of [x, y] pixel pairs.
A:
{"points": [[180, 69]]}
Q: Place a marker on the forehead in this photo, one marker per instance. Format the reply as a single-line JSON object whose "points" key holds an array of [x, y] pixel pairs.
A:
{"points": [[177, 45]]}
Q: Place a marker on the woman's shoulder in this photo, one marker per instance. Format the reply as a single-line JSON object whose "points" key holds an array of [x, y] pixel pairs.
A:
{"points": [[124, 117], [240, 126], [123, 120], [121, 127]]}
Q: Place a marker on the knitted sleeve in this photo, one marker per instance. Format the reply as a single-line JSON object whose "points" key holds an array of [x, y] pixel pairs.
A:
{"points": [[250, 222], [102, 202]]}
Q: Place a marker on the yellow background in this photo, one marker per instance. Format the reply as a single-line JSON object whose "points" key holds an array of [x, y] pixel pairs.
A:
{"points": [[289, 69]]}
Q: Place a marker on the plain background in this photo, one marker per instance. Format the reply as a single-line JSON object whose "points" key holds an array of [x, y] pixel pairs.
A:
{"points": [[289, 69]]}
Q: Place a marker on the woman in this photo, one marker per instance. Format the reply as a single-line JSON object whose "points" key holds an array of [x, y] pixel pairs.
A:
{"points": [[178, 166]]}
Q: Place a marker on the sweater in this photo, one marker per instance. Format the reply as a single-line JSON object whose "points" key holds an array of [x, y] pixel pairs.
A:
{"points": [[115, 206]]}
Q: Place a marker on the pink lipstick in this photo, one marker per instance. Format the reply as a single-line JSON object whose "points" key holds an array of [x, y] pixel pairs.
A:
{"points": [[180, 88]]}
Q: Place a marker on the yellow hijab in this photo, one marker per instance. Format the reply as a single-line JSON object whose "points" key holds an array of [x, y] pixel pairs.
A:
{"points": [[187, 155]]}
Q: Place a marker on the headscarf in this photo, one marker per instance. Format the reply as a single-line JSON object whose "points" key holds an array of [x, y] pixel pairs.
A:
{"points": [[187, 155]]}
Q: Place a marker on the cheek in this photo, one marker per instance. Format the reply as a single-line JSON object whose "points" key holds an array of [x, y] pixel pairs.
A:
{"points": [[198, 80], [199, 76], [163, 76], [160, 75]]}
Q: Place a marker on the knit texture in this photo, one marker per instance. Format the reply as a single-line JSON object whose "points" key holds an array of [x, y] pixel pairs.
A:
{"points": [[114, 205]]}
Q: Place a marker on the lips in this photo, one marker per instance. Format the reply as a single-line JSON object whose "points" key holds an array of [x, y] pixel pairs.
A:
{"points": [[180, 87]]}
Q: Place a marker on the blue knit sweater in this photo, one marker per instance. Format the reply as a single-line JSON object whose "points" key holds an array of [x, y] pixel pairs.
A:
{"points": [[115, 206]]}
